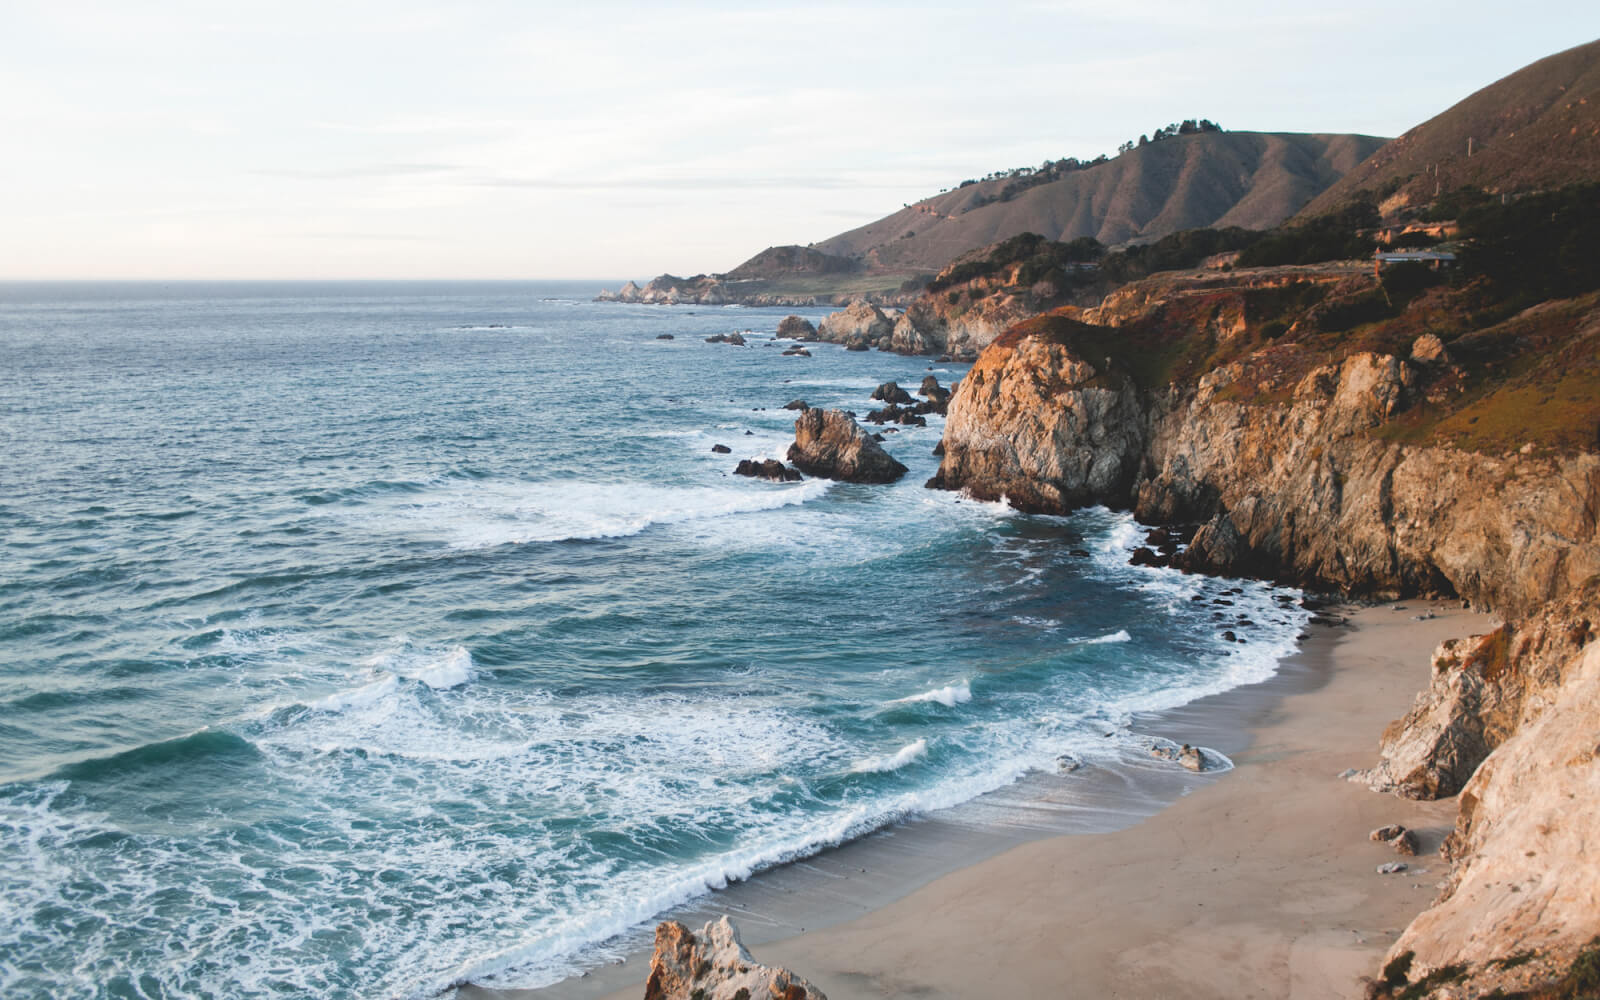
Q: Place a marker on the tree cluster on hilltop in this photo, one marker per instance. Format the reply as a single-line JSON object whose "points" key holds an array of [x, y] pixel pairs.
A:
{"points": [[1022, 178]]}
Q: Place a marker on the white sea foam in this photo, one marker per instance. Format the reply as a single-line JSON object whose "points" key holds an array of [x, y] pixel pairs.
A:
{"points": [[892, 762], [475, 515], [365, 696], [454, 669], [949, 696], [1120, 635]]}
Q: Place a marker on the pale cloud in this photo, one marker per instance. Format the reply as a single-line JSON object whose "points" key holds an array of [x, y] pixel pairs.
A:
{"points": [[507, 139]]}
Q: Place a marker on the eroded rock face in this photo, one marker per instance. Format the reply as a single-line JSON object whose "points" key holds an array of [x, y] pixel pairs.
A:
{"points": [[1483, 690], [1523, 877], [831, 445], [714, 965], [1041, 427], [1299, 489]]}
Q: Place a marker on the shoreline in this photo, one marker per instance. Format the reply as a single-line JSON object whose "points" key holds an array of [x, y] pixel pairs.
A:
{"points": [[1045, 883]]}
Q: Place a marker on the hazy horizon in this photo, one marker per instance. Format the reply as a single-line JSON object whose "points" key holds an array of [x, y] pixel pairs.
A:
{"points": [[493, 141]]}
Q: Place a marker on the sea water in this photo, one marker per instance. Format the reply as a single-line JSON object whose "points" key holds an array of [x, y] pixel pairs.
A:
{"points": [[360, 639]]}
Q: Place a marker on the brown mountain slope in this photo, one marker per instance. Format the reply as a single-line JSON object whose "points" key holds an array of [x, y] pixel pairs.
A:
{"points": [[1250, 179], [1537, 128]]}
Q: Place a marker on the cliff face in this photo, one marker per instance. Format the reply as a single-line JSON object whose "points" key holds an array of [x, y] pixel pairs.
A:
{"points": [[1330, 467], [1300, 489], [1515, 710]]}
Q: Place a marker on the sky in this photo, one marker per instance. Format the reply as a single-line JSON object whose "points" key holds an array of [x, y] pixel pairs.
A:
{"points": [[398, 139]]}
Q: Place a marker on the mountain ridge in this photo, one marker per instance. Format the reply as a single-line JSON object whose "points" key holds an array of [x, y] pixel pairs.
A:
{"points": [[1536, 128], [1249, 179]]}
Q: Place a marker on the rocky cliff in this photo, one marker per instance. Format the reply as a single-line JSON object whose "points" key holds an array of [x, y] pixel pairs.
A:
{"points": [[1382, 461]]}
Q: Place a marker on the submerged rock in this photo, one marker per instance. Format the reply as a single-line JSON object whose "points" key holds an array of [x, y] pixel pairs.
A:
{"points": [[830, 444], [716, 966]]}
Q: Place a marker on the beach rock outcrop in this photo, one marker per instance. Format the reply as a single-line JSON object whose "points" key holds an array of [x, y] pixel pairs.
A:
{"points": [[736, 339], [715, 965], [1523, 880], [1482, 690], [831, 445]]}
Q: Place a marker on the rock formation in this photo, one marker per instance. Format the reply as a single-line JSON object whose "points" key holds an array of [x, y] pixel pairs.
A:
{"points": [[861, 323], [1039, 426], [831, 445], [771, 469], [796, 328], [715, 965]]}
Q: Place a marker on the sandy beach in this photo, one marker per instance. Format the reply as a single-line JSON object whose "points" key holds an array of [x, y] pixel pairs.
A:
{"points": [[1261, 883]]}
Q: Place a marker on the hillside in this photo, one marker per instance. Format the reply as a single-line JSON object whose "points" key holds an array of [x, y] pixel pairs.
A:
{"points": [[1249, 179], [1537, 128]]}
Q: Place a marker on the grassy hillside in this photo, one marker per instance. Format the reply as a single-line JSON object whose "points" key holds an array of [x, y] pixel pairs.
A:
{"points": [[1249, 179], [1538, 128]]}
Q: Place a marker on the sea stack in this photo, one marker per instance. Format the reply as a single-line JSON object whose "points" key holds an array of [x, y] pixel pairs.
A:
{"points": [[829, 444]]}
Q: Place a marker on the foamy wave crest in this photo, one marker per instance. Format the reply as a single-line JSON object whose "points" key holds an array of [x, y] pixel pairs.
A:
{"points": [[892, 762], [441, 668], [476, 515], [362, 697], [1120, 635], [949, 696]]}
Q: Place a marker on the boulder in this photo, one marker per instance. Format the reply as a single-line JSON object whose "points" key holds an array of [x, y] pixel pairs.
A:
{"points": [[796, 404], [721, 449], [1384, 834], [830, 444], [933, 390], [665, 336], [715, 965], [736, 339], [796, 328], [1428, 349], [890, 392], [771, 469]]}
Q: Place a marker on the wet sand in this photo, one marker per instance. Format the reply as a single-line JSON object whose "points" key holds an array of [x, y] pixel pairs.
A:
{"points": [[1258, 882]]}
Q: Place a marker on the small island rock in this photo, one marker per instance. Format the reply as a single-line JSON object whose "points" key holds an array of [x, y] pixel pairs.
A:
{"points": [[831, 445]]}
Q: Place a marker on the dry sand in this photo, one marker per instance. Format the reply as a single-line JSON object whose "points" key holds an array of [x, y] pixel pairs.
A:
{"points": [[1261, 883]]}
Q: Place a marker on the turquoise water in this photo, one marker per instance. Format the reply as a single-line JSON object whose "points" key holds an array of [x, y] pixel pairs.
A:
{"points": [[358, 639]]}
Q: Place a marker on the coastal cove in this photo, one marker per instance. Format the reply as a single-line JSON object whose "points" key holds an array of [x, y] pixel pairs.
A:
{"points": [[1260, 883], [346, 696]]}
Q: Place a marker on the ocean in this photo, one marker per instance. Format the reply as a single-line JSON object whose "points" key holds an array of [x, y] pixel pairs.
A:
{"points": [[358, 639]]}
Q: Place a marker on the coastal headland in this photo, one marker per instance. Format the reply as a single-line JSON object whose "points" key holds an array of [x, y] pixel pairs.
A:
{"points": [[1396, 397]]}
